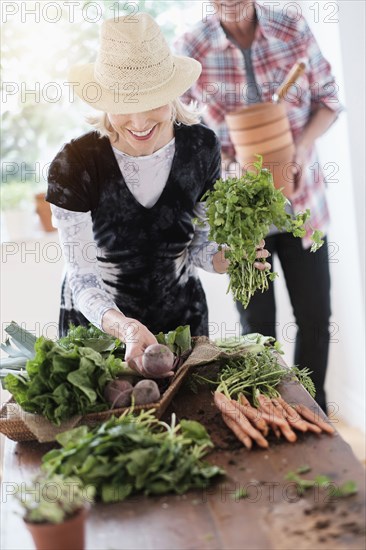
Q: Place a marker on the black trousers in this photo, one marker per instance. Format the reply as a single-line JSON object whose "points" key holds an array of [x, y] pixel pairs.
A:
{"points": [[308, 284]]}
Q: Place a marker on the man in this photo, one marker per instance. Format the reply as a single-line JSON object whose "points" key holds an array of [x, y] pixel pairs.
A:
{"points": [[246, 51]]}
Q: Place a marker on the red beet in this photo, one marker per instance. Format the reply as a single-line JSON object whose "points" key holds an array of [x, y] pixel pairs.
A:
{"points": [[157, 360], [118, 393], [146, 391]]}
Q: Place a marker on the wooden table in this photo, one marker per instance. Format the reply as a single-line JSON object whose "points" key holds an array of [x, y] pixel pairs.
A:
{"points": [[272, 517]]}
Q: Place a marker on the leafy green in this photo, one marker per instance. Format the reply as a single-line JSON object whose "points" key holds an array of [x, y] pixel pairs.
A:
{"points": [[240, 212], [303, 469], [19, 348], [52, 499], [346, 489], [240, 494], [253, 342], [63, 382], [92, 337], [178, 341], [135, 454]]}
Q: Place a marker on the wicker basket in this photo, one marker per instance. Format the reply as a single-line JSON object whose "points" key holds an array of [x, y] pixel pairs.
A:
{"points": [[13, 427]]}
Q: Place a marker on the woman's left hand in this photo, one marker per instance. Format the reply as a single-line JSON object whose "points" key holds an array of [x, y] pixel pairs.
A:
{"points": [[262, 253], [221, 263]]}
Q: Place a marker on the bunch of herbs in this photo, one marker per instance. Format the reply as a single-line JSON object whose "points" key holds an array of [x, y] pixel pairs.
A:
{"points": [[240, 212]]}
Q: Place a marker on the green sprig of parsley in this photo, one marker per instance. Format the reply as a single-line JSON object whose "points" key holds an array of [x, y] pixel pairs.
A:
{"points": [[240, 212]]}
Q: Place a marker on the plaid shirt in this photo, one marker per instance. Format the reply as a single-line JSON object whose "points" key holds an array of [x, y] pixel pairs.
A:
{"points": [[279, 42]]}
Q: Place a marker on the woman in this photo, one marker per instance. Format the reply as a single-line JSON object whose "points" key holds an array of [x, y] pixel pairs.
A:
{"points": [[123, 196]]}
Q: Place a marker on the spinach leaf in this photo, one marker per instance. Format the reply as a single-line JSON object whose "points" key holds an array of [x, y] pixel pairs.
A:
{"points": [[135, 454]]}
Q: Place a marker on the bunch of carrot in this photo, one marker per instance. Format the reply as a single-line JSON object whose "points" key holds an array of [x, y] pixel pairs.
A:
{"points": [[250, 424]]}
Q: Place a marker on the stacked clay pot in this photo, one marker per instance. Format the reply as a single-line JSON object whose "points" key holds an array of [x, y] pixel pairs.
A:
{"points": [[264, 129]]}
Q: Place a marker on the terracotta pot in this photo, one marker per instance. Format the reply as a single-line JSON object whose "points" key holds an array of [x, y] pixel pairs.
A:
{"points": [[280, 163], [265, 146], [43, 210], [69, 535], [256, 135], [252, 116]]}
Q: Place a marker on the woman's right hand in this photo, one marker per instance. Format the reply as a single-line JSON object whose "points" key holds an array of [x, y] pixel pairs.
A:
{"points": [[137, 338], [134, 334]]}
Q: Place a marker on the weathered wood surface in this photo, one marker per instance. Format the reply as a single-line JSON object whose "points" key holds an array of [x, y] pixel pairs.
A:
{"points": [[273, 517]]}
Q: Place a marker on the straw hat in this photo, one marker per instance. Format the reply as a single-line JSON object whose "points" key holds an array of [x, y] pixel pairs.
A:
{"points": [[135, 70]]}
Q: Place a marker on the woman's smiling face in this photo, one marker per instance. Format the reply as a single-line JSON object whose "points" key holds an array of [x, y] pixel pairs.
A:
{"points": [[142, 134]]}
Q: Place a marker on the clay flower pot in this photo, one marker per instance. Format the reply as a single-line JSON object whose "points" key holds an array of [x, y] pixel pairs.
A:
{"points": [[69, 535], [265, 146], [257, 114], [263, 129], [255, 135]]}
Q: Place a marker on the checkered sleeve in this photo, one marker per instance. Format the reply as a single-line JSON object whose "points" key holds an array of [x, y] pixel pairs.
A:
{"points": [[323, 88]]}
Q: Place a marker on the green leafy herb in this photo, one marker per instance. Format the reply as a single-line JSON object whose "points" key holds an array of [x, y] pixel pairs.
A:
{"points": [[303, 469], [240, 213], [346, 489], [240, 494], [135, 454]]}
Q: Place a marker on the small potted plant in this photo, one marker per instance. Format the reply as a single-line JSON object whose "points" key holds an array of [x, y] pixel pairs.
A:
{"points": [[55, 511]]}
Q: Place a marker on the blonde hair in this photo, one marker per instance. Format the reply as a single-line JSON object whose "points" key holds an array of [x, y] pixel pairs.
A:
{"points": [[181, 114]]}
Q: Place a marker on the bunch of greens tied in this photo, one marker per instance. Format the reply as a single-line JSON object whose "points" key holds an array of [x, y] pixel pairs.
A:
{"points": [[135, 454], [240, 213]]}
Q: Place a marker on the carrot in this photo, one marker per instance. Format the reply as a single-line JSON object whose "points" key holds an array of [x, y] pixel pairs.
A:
{"points": [[309, 426], [284, 426], [253, 414], [266, 417], [266, 411], [314, 419], [235, 428], [269, 411], [276, 430], [292, 416], [313, 428], [243, 400], [288, 433], [226, 407]]}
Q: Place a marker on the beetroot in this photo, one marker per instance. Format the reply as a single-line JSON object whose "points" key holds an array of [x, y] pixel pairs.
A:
{"points": [[118, 393], [146, 391], [157, 360]]}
